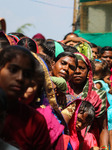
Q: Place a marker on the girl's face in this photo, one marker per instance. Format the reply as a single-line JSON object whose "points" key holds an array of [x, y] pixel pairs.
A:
{"points": [[94, 52], [64, 67], [15, 76], [81, 122], [81, 73]]}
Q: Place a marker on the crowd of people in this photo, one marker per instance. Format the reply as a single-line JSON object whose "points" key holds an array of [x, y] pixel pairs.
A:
{"points": [[54, 95]]}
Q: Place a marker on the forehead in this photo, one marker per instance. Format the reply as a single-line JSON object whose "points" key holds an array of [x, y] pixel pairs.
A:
{"points": [[71, 35], [67, 59], [94, 49], [107, 53], [81, 62], [21, 61]]}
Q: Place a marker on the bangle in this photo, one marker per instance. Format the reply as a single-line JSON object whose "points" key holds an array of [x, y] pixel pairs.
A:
{"points": [[105, 147]]}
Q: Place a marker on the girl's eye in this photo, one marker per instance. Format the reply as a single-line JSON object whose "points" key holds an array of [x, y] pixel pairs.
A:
{"points": [[13, 69]]}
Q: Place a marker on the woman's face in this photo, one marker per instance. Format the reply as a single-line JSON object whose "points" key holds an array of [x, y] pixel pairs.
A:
{"points": [[81, 73], [15, 76], [64, 67], [107, 55]]}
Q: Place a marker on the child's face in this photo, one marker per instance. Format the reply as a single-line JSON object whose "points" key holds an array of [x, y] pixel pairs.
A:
{"points": [[95, 52], [107, 79], [15, 76], [98, 67], [81, 122]]}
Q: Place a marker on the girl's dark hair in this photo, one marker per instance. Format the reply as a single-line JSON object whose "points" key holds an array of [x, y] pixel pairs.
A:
{"points": [[104, 67], [39, 76], [3, 100], [68, 48], [93, 45], [48, 48], [47, 60], [28, 43], [87, 107], [69, 54], [70, 33], [10, 52], [106, 48]]}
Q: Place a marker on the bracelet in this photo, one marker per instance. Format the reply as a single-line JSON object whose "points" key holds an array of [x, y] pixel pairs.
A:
{"points": [[105, 147]]}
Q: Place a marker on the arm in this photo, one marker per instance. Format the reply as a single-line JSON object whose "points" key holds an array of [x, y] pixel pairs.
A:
{"points": [[75, 39], [110, 139], [103, 131]]}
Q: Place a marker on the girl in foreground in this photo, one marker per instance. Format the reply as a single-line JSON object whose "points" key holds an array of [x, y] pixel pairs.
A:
{"points": [[24, 127]]}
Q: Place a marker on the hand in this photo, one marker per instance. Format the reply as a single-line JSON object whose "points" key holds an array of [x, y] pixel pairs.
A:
{"points": [[95, 148]]}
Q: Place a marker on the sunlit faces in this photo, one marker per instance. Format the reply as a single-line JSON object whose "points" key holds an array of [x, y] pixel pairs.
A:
{"points": [[64, 67], [81, 73], [81, 122], [15, 76], [107, 55]]}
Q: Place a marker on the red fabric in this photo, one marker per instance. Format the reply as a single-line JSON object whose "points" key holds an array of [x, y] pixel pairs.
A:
{"points": [[38, 36], [89, 141], [62, 143], [54, 127], [26, 128], [72, 128], [77, 138], [111, 76]]}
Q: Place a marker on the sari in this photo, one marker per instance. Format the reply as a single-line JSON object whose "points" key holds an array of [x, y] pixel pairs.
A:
{"points": [[57, 126], [96, 97]]}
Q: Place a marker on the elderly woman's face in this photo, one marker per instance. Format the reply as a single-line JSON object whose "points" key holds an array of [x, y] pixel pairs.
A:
{"points": [[64, 67], [81, 73]]}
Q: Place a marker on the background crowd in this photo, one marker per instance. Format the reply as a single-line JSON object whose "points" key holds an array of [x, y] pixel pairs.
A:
{"points": [[54, 94]]}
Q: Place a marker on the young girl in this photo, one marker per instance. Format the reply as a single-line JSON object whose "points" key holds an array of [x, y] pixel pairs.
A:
{"points": [[24, 127], [78, 117], [101, 75]]}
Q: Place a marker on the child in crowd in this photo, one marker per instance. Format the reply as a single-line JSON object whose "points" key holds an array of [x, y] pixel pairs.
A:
{"points": [[24, 127], [102, 75], [95, 50], [78, 117]]}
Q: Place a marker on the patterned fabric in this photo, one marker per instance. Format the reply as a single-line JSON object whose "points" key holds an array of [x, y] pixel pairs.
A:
{"points": [[10, 40], [85, 49]]}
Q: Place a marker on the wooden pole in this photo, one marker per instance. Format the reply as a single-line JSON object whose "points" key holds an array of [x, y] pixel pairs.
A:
{"points": [[75, 13]]}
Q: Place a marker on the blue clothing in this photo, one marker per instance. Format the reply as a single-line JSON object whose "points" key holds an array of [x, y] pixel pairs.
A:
{"points": [[109, 98], [109, 117]]}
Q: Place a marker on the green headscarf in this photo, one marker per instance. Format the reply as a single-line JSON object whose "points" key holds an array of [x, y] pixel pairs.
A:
{"points": [[58, 48]]}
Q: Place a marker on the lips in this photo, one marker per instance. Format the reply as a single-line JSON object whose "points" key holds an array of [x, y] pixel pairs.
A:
{"points": [[16, 88], [77, 77]]}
